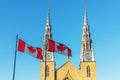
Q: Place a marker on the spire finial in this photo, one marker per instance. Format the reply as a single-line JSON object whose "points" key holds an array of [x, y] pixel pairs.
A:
{"points": [[85, 14], [49, 9], [48, 15], [84, 6]]}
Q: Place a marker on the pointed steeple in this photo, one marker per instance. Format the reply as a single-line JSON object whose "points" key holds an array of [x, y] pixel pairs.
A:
{"points": [[86, 47], [48, 17], [48, 25], [85, 15], [47, 35]]}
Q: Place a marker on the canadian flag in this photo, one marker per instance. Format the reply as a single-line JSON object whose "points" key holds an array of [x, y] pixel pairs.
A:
{"points": [[25, 48], [58, 47]]}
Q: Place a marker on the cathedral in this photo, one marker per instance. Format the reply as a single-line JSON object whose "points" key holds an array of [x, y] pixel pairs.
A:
{"points": [[87, 68]]}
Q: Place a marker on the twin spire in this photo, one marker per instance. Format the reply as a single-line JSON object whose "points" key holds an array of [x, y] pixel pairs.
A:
{"points": [[49, 56], [48, 34], [86, 47]]}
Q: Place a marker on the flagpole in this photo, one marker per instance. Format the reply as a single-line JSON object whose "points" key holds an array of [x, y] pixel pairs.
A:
{"points": [[44, 60], [45, 64], [14, 68], [45, 56]]}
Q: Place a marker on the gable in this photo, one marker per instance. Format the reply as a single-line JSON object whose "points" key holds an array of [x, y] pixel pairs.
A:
{"points": [[68, 71]]}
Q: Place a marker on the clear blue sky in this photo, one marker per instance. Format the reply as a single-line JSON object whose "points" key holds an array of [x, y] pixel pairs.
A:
{"points": [[28, 17]]}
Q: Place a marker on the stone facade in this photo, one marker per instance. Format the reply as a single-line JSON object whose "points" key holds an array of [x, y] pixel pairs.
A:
{"points": [[68, 71], [51, 70]]}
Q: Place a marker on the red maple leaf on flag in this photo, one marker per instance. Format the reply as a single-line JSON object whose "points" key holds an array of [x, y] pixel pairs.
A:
{"points": [[61, 47], [31, 49]]}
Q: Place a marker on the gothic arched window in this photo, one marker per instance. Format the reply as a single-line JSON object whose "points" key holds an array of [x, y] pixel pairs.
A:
{"points": [[47, 71], [88, 71]]}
